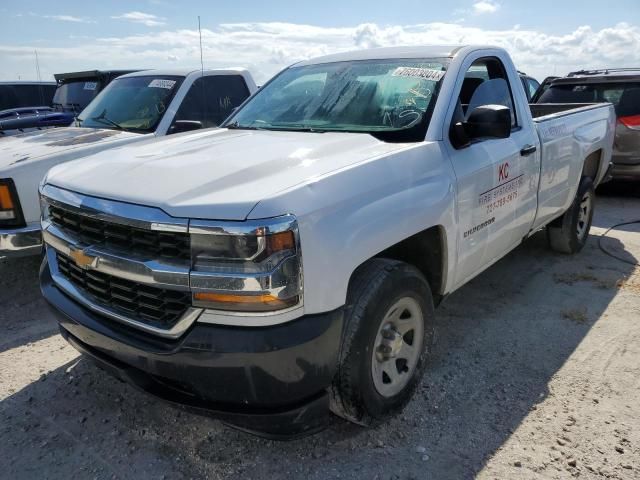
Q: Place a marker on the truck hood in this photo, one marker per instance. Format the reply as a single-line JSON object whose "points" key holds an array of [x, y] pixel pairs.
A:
{"points": [[53, 141], [215, 174]]}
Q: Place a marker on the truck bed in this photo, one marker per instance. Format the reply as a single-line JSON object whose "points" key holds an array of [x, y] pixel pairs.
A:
{"points": [[546, 111], [569, 133]]}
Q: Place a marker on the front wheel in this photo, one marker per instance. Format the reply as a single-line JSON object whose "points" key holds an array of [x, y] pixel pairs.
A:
{"points": [[388, 335], [569, 233]]}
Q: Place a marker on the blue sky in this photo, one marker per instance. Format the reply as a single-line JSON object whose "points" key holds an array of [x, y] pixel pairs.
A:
{"points": [[544, 36]]}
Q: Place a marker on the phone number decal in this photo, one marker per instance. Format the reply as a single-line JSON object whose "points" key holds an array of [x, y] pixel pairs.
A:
{"points": [[501, 202]]}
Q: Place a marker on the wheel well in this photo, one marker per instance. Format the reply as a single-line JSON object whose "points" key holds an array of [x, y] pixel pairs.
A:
{"points": [[426, 251], [591, 165]]}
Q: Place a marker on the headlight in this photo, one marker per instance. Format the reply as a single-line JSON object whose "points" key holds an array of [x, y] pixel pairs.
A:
{"points": [[246, 266], [10, 213]]}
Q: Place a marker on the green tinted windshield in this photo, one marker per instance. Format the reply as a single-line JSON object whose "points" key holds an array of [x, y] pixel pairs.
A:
{"points": [[131, 103], [371, 96]]}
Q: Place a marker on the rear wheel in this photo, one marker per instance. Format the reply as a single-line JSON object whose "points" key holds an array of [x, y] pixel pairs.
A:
{"points": [[569, 233], [387, 341]]}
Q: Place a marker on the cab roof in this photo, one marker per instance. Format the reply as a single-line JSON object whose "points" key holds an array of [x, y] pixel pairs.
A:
{"points": [[424, 51], [184, 72], [27, 82], [90, 74]]}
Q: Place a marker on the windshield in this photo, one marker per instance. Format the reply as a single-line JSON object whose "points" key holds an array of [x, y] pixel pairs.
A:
{"points": [[76, 95], [133, 103], [391, 99]]}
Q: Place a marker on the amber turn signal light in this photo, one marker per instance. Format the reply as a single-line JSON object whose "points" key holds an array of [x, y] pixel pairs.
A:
{"points": [[6, 202], [227, 301], [229, 298], [278, 242]]}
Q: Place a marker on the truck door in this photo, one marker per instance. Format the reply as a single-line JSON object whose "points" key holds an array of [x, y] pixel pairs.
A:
{"points": [[490, 172]]}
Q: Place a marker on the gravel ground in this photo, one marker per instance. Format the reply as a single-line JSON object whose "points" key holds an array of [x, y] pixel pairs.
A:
{"points": [[536, 374]]}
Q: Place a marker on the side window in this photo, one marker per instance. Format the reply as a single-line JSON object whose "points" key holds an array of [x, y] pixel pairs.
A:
{"points": [[533, 86], [629, 102], [211, 99], [24, 95], [32, 95], [192, 106], [485, 83], [612, 95], [7, 97]]}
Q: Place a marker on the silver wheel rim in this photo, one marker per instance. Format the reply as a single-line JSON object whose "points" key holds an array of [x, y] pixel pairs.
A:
{"points": [[397, 347], [583, 216]]}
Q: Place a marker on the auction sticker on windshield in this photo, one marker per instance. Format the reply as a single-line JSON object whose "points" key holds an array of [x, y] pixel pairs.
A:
{"points": [[162, 83], [90, 85], [425, 73]]}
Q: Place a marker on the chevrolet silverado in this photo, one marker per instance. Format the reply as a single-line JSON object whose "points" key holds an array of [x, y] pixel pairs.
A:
{"points": [[132, 108], [288, 264]]}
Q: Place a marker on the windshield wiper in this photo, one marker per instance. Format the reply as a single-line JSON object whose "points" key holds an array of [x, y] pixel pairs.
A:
{"points": [[294, 127], [298, 129], [108, 121], [236, 126], [273, 127]]}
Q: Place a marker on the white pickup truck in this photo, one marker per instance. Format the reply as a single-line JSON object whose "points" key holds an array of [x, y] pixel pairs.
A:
{"points": [[132, 108], [289, 264]]}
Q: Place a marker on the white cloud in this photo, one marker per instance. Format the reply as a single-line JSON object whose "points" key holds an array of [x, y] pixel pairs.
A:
{"points": [[147, 19], [265, 48], [485, 6], [60, 18], [68, 18]]}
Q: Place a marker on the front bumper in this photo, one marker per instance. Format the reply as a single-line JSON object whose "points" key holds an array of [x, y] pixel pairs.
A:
{"points": [[625, 172], [21, 242], [607, 177], [269, 380]]}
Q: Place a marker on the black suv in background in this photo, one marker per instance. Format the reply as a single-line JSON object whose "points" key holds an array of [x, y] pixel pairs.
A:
{"points": [[620, 86], [26, 94]]}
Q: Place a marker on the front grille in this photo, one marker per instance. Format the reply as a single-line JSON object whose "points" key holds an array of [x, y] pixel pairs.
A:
{"points": [[154, 306], [148, 243]]}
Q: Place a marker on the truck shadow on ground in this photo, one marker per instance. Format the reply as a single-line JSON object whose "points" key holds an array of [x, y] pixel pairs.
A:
{"points": [[21, 304], [501, 339], [619, 189]]}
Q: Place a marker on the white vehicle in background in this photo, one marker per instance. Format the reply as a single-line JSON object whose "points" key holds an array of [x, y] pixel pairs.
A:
{"points": [[132, 108], [289, 263]]}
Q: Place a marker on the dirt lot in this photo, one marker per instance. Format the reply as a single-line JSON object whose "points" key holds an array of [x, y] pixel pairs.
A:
{"points": [[536, 374]]}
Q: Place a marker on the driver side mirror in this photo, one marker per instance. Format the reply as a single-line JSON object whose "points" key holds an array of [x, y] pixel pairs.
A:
{"points": [[180, 126], [485, 121]]}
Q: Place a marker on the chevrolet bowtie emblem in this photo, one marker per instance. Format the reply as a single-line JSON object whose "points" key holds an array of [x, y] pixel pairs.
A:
{"points": [[82, 259]]}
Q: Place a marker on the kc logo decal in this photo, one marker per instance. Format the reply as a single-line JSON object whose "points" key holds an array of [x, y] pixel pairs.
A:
{"points": [[503, 172]]}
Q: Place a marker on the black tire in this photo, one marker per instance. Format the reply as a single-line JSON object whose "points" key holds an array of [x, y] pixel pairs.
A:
{"points": [[375, 287], [569, 233]]}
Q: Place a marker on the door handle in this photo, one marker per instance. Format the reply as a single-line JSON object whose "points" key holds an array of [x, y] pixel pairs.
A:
{"points": [[528, 150]]}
